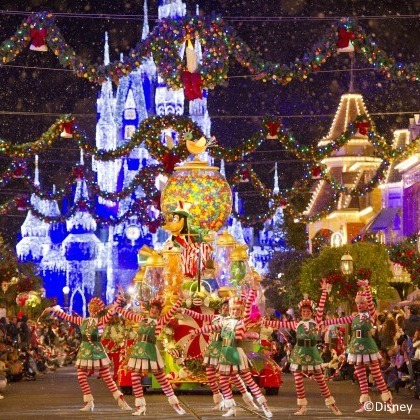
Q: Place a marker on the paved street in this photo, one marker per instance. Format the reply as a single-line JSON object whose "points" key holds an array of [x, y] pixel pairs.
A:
{"points": [[57, 395]]}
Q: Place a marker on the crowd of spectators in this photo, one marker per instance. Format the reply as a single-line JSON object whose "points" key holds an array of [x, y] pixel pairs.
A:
{"points": [[28, 349]]}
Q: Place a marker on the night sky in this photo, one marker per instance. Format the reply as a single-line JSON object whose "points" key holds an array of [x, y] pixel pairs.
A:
{"points": [[308, 106]]}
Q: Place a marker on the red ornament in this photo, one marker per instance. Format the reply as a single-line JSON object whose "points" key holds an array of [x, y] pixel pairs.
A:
{"points": [[192, 85], [344, 38], [169, 161], [273, 129], [38, 39], [362, 127], [316, 172], [68, 128]]}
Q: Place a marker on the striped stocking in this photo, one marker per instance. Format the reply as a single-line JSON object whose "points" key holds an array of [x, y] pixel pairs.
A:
{"points": [[137, 388], [211, 377], [106, 376], [247, 378], [300, 389], [377, 376], [239, 383], [164, 383], [225, 387], [82, 378], [323, 387], [360, 372]]}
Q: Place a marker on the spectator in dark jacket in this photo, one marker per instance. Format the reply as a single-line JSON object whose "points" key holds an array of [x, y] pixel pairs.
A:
{"points": [[24, 332], [13, 330]]}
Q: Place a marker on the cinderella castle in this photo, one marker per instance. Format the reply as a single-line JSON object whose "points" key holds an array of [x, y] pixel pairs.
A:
{"points": [[79, 259]]}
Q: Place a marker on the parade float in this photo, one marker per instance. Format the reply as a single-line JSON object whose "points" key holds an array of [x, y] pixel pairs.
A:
{"points": [[202, 266]]}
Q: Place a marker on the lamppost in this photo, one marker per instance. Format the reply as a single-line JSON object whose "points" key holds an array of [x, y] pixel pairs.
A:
{"points": [[66, 291], [153, 275], [346, 266], [225, 244], [401, 280]]}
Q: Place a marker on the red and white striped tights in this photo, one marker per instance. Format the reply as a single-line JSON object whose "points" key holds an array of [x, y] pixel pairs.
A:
{"points": [[360, 372], [246, 377], [214, 386], [104, 373], [160, 377], [320, 379]]}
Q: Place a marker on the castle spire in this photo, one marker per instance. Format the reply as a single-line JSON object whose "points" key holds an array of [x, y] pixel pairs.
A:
{"points": [[36, 177], [276, 189], [106, 50], [146, 29]]}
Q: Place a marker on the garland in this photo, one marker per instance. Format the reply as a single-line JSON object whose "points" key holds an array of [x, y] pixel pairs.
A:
{"points": [[150, 131], [406, 254], [219, 42]]}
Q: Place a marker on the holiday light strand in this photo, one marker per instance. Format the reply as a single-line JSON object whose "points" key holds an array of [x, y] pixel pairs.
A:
{"points": [[138, 208], [219, 42], [150, 131]]}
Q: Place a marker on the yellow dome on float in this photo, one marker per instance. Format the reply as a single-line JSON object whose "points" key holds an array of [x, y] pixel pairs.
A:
{"points": [[205, 188]]}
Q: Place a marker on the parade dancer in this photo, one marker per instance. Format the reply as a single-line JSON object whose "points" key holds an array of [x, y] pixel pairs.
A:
{"points": [[232, 359], [92, 355], [305, 357], [211, 358], [362, 350], [145, 356]]}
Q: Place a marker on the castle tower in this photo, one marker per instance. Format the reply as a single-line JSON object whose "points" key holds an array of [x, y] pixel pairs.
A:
{"points": [[80, 249], [35, 239], [352, 165]]}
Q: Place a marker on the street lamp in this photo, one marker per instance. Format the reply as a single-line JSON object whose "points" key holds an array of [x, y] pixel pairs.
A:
{"points": [[346, 264], [224, 247], [153, 275], [239, 268], [401, 280], [66, 291]]}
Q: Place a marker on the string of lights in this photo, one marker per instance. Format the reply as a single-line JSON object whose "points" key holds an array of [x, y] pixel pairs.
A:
{"points": [[112, 16], [245, 117]]}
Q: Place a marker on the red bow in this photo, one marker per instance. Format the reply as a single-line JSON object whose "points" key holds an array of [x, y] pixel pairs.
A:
{"points": [[78, 172], [68, 127], [244, 175], [363, 127], [316, 171], [19, 172], [169, 161], [192, 85], [38, 37], [273, 128], [21, 204], [344, 37]]}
